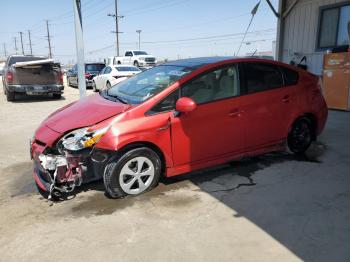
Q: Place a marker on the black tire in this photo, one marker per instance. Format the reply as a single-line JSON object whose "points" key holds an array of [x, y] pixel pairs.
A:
{"points": [[113, 171], [136, 63], [300, 136], [94, 86], [119, 63], [10, 96], [108, 85], [57, 96]]}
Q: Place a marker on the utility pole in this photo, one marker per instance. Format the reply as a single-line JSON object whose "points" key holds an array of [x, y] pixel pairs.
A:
{"points": [[30, 43], [5, 51], [139, 32], [48, 38], [116, 17], [16, 49], [79, 47], [21, 35]]}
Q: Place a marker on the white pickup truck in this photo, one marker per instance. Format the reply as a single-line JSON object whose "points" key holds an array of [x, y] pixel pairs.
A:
{"points": [[133, 57]]}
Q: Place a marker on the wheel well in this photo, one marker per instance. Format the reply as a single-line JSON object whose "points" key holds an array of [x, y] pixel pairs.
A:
{"points": [[150, 145], [118, 63]]}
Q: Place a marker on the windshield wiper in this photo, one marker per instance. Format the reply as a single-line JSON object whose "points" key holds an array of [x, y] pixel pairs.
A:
{"points": [[117, 97]]}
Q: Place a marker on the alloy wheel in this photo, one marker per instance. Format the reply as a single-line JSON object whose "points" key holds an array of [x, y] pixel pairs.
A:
{"points": [[137, 175]]}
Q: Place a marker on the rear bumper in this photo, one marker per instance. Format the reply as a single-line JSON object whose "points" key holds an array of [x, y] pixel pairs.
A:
{"points": [[36, 89]]}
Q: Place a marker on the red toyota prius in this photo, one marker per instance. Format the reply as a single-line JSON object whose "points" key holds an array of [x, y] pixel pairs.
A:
{"points": [[175, 118]]}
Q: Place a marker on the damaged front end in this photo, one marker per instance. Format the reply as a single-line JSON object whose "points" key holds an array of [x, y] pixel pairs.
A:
{"points": [[69, 162]]}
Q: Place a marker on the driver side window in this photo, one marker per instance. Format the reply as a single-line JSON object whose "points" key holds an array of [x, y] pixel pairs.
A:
{"points": [[214, 85], [167, 104]]}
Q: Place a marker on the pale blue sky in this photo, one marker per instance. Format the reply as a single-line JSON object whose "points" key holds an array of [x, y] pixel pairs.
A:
{"points": [[166, 27]]}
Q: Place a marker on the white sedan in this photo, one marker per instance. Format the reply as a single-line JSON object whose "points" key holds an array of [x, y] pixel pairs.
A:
{"points": [[112, 75]]}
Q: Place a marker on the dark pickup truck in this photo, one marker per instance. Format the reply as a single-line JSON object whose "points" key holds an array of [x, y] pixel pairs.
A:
{"points": [[32, 75]]}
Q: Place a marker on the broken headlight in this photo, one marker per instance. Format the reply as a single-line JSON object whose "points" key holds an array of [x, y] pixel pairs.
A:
{"points": [[82, 138]]}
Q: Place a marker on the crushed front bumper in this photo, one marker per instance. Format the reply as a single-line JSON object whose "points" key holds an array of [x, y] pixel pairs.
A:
{"points": [[62, 173]]}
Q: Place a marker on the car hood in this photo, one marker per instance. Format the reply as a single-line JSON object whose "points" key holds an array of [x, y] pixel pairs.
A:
{"points": [[85, 112]]}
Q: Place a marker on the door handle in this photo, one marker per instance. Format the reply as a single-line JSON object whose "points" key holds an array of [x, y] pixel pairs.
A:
{"points": [[235, 113], [285, 99]]}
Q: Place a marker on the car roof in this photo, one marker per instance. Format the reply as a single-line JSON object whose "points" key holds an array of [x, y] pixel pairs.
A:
{"points": [[202, 61]]}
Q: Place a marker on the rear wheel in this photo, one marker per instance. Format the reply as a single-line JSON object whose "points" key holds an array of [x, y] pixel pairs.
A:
{"points": [[10, 96], [134, 173], [57, 96], [300, 136], [94, 88]]}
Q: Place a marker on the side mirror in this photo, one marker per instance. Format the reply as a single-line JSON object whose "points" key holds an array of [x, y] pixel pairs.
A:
{"points": [[185, 105]]}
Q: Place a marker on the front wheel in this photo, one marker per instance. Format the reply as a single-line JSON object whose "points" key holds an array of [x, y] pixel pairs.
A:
{"points": [[300, 136], [108, 85], [134, 173], [136, 63]]}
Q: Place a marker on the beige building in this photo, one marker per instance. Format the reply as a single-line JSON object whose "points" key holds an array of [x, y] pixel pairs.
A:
{"points": [[309, 28]]}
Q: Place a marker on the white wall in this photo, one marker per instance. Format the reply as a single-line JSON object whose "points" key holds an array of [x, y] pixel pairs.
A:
{"points": [[300, 33]]}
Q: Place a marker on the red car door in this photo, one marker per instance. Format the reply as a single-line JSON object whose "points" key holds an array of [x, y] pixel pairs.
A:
{"points": [[214, 128], [266, 105]]}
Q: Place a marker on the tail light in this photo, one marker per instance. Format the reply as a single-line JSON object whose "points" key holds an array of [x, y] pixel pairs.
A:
{"points": [[9, 77], [87, 75], [61, 78]]}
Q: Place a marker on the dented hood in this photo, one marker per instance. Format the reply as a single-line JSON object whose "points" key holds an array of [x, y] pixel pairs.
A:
{"points": [[85, 112]]}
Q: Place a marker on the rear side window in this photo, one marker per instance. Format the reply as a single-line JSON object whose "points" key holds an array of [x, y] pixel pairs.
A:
{"points": [[94, 67], [261, 77], [16, 59], [290, 76]]}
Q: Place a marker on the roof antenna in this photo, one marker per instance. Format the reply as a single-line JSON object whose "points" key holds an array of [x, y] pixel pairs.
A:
{"points": [[254, 52]]}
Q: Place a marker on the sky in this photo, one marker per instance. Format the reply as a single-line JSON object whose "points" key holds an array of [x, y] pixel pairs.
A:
{"points": [[171, 29]]}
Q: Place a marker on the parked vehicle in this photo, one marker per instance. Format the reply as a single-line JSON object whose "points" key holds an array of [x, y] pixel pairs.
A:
{"points": [[133, 57], [112, 75], [176, 118], [91, 70], [32, 75]]}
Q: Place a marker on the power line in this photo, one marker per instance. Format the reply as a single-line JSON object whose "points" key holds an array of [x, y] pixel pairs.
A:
{"points": [[255, 9], [48, 38]]}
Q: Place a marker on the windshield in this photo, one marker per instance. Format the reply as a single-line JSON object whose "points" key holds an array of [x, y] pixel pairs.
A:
{"points": [[143, 86], [140, 53], [94, 67], [127, 68]]}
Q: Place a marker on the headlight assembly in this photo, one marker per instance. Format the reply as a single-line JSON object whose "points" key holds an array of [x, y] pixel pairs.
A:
{"points": [[82, 138]]}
